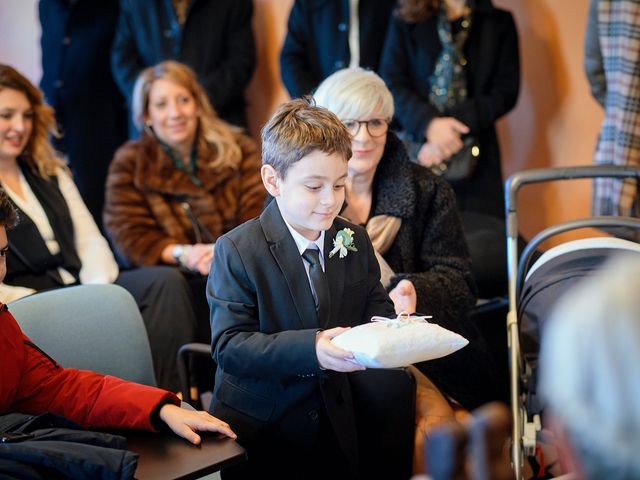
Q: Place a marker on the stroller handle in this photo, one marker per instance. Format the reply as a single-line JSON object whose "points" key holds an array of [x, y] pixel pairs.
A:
{"points": [[537, 175]]}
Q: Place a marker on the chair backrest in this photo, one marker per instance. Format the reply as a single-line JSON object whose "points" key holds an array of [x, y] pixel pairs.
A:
{"points": [[385, 406], [90, 327]]}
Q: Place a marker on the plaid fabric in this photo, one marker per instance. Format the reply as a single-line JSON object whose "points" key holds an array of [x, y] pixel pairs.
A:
{"points": [[619, 139]]}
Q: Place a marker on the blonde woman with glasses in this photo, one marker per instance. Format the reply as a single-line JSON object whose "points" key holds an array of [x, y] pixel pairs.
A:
{"points": [[411, 217]]}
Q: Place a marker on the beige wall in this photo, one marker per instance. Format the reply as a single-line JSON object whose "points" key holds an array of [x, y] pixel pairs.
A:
{"points": [[20, 37], [555, 122]]}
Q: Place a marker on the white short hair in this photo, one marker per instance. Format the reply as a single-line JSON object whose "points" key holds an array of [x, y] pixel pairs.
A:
{"points": [[589, 360], [355, 93]]}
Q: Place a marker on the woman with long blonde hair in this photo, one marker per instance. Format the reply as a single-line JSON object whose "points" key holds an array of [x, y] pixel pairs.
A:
{"points": [[189, 178]]}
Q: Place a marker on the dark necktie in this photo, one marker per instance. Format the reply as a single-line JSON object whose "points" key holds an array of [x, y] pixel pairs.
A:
{"points": [[319, 285]]}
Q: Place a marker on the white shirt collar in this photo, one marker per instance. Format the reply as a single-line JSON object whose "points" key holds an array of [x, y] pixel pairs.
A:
{"points": [[304, 243]]}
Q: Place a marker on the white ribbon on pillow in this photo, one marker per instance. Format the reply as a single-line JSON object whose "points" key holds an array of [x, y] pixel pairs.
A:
{"points": [[398, 342]]}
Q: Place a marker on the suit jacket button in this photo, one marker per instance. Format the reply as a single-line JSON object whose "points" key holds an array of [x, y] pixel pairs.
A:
{"points": [[313, 415]]}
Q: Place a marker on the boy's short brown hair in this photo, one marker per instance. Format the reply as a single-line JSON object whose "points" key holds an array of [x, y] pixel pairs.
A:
{"points": [[298, 128], [8, 214]]}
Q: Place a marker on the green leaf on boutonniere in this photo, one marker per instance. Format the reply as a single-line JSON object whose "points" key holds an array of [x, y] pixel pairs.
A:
{"points": [[343, 243]]}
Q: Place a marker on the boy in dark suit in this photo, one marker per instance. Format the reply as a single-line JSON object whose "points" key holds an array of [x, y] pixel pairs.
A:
{"points": [[275, 306]]}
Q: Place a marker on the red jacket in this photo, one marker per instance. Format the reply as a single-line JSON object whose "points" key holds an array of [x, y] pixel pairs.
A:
{"points": [[32, 382]]}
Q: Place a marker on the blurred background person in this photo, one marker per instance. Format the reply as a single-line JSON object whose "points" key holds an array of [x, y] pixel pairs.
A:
{"points": [[77, 82], [189, 178], [588, 374], [213, 37], [57, 243], [327, 35], [453, 69], [612, 65]]}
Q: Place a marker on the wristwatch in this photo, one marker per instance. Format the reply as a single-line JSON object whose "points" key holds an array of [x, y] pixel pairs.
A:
{"points": [[178, 253]]}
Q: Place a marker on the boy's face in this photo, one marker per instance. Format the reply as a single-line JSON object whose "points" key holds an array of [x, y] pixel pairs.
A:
{"points": [[312, 192]]}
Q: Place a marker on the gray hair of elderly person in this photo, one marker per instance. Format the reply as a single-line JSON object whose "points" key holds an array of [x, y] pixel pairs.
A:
{"points": [[355, 93], [589, 360]]}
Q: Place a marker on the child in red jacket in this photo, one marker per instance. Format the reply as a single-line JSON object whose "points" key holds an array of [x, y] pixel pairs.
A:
{"points": [[32, 382]]}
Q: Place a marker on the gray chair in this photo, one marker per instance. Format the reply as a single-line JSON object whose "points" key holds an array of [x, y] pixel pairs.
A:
{"points": [[91, 327]]}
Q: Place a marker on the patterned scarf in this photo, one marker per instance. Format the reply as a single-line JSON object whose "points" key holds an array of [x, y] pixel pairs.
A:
{"points": [[382, 230], [448, 81]]}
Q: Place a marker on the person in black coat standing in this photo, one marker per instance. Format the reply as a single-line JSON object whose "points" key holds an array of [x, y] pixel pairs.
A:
{"points": [[323, 36], [77, 82], [213, 37], [478, 45]]}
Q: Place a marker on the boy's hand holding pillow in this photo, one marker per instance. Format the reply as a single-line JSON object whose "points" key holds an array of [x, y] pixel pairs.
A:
{"points": [[398, 342]]}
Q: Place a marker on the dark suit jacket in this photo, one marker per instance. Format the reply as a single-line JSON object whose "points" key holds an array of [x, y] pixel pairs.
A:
{"points": [[493, 80], [317, 42], [77, 82], [264, 328], [216, 41]]}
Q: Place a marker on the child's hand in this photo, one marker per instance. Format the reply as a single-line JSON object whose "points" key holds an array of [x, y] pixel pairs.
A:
{"points": [[331, 357], [186, 423], [405, 297]]}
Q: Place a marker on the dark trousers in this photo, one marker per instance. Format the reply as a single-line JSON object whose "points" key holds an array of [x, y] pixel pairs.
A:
{"points": [[166, 305], [288, 459]]}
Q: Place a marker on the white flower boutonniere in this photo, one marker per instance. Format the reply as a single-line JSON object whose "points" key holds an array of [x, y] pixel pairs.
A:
{"points": [[343, 243]]}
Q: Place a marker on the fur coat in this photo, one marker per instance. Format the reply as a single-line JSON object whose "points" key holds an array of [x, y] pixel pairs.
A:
{"points": [[146, 198], [431, 251]]}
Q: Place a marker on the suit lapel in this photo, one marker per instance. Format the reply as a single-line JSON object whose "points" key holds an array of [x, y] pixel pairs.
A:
{"points": [[335, 269], [285, 253]]}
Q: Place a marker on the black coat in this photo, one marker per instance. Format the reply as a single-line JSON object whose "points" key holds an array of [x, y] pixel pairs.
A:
{"points": [[430, 250], [77, 83], [216, 42], [493, 78], [317, 41], [59, 448]]}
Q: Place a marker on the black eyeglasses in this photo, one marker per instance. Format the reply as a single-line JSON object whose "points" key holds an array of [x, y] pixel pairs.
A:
{"points": [[376, 126]]}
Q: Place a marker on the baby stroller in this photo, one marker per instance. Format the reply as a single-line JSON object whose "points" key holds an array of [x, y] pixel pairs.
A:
{"points": [[535, 285]]}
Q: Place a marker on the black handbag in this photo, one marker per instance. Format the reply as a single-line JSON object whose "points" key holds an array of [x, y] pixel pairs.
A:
{"points": [[462, 165]]}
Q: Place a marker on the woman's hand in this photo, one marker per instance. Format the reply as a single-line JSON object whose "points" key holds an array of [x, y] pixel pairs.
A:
{"points": [[186, 423], [331, 357], [430, 155], [446, 133], [405, 297], [200, 258]]}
